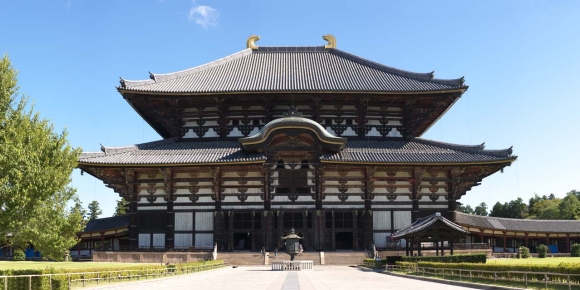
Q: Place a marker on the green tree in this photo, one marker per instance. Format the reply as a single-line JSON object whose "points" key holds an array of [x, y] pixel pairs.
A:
{"points": [[481, 209], [536, 199], [465, 209], [64, 226], [569, 207], [35, 161], [498, 210], [545, 210], [94, 210], [121, 208], [78, 207]]}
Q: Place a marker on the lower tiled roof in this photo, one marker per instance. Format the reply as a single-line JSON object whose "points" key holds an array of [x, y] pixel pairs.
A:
{"points": [[104, 224], [172, 151], [425, 223], [517, 225]]}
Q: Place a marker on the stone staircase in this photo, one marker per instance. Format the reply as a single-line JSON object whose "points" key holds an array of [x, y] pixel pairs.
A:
{"points": [[330, 258]]}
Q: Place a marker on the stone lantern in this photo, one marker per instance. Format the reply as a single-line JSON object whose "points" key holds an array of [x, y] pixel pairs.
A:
{"points": [[292, 244]]}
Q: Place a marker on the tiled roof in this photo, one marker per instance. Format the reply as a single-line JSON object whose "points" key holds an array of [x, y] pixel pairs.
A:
{"points": [[286, 69], [110, 223], [172, 151], [426, 222], [517, 225]]}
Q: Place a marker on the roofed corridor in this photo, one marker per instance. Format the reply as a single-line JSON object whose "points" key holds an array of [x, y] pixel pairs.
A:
{"points": [[322, 277]]}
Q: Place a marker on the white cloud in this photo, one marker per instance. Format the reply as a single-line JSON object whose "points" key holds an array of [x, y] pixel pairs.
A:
{"points": [[203, 15]]}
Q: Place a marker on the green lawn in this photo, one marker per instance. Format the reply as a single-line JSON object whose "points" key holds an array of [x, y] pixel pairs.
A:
{"points": [[4, 265], [537, 261]]}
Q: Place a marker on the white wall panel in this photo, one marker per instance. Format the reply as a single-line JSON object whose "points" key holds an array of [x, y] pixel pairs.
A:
{"points": [[402, 219], [199, 207], [204, 241], [343, 205], [381, 220], [284, 198], [183, 241], [380, 239], [184, 221], [144, 240], [203, 221], [159, 240]]}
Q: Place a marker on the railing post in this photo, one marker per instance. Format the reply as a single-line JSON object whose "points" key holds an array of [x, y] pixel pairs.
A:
{"points": [[29, 282], [98, 277], [83, 278], [69, 285], [526, 279], [546, 279], [569, 286]]}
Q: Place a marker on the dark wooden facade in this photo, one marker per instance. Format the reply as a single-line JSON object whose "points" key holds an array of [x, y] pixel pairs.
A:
{"points": [[344, 167]]}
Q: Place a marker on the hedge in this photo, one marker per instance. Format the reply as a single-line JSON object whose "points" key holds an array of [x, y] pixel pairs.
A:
{"points": [[388, 260], [502, 270], [575, 252], [470, 258], [60, 282]]}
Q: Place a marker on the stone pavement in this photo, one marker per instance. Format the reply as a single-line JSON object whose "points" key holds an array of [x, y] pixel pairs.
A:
{"points": [[258, 278]]}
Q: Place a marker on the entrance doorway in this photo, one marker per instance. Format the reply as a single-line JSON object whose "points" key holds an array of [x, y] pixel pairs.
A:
{"points": [[343, 240], [242, 241]]}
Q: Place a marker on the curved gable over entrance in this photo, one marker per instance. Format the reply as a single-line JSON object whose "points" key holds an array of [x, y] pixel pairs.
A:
{"points": [[293, 130]]}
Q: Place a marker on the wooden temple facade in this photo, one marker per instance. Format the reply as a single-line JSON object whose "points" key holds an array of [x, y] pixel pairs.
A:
{"points": [[272, 138]]}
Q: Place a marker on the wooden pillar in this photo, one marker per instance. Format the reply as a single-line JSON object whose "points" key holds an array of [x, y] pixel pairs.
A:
{"points": [[481, 235], [442, 248], [316, 229], [407, 247], [548, 240], [504, 242], [419, 248], [451, 244], [411, 247], [437, 248], [567, 243], [102, 239], [231, 230], [355, 230], [526, 240], [333, 233]]}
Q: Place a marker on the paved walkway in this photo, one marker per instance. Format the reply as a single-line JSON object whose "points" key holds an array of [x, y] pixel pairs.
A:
{"points": [[258, 278]]}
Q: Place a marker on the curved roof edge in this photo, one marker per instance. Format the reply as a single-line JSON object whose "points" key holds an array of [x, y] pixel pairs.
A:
{"points": [[293, 123], [478, 149], [426, 77]]}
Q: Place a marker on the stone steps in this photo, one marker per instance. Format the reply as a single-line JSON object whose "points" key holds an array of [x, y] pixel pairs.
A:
{"points": [[256, 258]]}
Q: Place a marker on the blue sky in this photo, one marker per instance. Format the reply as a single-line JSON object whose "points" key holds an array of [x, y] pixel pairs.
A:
{"points": [[521, 60]]}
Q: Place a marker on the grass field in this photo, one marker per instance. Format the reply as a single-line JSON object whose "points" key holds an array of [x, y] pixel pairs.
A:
{"points": [[4, 265], [537, 261]]}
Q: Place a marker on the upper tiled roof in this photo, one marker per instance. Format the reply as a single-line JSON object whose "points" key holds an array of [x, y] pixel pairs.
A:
{"points": [[104, 224], [426, 222], [288, 69], [517, 225], [172, 151]]}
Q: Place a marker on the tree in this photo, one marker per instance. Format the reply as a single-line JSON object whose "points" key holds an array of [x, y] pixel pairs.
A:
{"points": [[64, 226], [78, 207], [35, 163], [498, 210], [121, 208], [94, 210], [481, 209], [545, 210], [465, 209], [536, 199], [569, 207]]}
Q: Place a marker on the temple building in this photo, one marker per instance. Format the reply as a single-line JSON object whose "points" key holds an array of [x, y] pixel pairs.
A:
{"points": [[271, 138]]}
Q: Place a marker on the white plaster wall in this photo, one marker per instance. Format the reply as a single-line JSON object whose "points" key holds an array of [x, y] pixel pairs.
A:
{"points": [[381, 220], [204, 221], [183, 221]]}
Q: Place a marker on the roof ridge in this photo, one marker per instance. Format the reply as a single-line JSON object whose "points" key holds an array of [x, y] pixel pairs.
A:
{"points": [[425, 77], [130, 148], [157, 78]]}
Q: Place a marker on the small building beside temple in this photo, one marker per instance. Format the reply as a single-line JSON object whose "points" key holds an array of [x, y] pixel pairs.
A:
{"points": [[273, 138]]}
